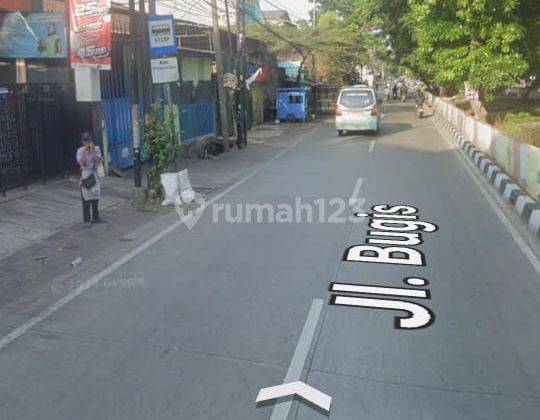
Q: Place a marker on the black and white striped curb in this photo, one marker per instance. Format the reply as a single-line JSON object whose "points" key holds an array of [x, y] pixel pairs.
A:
{"points": [[527, 208]]}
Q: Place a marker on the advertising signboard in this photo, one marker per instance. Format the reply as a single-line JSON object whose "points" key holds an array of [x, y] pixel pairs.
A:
{"points": [[36, 35], [20, 5], [162, 36], [90, 33]]}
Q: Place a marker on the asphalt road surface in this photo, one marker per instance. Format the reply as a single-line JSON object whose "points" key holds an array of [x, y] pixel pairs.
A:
{"points": [[194, 323]]}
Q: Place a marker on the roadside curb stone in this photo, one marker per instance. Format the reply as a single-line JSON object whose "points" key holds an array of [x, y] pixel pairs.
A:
{"points": [[527, 208]]}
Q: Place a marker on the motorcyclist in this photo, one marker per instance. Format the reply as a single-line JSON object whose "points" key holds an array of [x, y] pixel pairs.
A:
{"points": [[420, 99], [403, 91], [394, 91]]}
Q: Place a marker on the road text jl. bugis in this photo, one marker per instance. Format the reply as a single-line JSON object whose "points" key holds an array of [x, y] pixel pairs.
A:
{"points": [[393, 232]]}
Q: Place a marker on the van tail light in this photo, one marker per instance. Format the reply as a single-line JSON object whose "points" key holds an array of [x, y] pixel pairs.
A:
{"points": [[374, 111], [338, 111]]}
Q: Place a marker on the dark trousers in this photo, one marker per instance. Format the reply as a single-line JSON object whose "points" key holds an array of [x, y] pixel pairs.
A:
{"points": [[86, 204]]}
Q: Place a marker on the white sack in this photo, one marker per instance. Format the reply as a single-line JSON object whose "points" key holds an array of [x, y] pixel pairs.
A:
{"points": [[169, 180]]}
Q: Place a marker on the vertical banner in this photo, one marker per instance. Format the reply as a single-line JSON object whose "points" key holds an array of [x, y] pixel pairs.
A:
{"points": [[90, 26]]}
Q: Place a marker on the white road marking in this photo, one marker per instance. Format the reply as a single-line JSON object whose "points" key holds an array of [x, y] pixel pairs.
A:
{"points": [[419, 316], [355, 195], [473, 173], [281, 410], [305, 391], [32, 322], [371, 146], [378, 290]]}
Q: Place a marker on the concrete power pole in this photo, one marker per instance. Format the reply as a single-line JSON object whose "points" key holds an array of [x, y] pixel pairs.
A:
{"points": [[315, 81], [222, 95], [244, 76], [134, 94]]}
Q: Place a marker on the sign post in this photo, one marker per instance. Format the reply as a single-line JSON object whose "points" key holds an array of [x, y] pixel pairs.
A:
{"points": [[163, 48]]}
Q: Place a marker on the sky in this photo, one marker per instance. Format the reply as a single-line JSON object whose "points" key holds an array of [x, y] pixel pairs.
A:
{"points": [[199, 10]]}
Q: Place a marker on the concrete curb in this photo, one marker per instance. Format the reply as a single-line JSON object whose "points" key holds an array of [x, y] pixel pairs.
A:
{"points": [[526, 207]]}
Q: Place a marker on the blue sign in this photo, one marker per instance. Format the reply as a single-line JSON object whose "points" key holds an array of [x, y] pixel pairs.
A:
{"points": [[162, 36], [36, 35]]}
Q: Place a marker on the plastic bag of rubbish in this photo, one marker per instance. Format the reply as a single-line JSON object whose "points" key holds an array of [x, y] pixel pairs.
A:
{"points": [[169, 180], [187, 194]]}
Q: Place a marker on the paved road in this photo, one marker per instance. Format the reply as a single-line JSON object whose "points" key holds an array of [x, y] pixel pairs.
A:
{"points": [[194, 325]]}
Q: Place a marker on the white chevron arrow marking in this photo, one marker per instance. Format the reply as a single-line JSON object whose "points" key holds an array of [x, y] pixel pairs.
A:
{"points": [[314, 396]]}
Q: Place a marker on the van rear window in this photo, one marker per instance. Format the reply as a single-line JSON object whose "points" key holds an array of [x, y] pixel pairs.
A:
{"points": [[356, 98], [295, 99]]}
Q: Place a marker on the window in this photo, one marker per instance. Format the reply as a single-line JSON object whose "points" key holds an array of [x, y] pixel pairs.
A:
{"points": [[357, 98], [295, 99]]}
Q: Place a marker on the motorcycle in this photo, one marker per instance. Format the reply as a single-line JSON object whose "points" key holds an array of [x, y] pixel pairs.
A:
{"points": [[403, 95], [420, 111]]}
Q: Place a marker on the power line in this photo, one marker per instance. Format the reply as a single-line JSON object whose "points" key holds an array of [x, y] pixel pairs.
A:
{"points": [[298, 47], [280, 6], [193, 11]]}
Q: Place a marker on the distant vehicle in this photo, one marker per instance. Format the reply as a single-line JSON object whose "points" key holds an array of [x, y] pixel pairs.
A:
{"points": [[292, 104], [420, 100], [420, 111], [357, 110]]}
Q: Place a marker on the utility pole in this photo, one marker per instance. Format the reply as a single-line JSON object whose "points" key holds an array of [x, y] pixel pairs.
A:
{"points": [[314, 68], [232, 65], [145, 61], [244, 87], [222, 95], [239, 77], [241, 72], [135, 112]]}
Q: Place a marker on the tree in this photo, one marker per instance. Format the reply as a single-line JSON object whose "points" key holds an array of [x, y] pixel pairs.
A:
{"points": [[471, 41], [529, 15], [336, 46]]}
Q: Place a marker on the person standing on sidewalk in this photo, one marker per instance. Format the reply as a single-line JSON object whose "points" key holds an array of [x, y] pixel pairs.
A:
{"points": [[88, 158]]}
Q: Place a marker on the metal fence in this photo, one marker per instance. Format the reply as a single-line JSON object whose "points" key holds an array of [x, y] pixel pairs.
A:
{"points": [[197, 120]]}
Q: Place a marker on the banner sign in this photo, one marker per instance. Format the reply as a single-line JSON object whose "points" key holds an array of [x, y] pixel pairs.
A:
{"points": [[165, 70], [162, 36], [19, 5], [36, 35], [90, 33]]}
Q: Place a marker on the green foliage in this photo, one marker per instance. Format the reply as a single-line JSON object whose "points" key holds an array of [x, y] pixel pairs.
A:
{"points": [[529, 16], [489, 43], [338, 47], [336, 44], [521, 126], [160, 145], [466, 40]]}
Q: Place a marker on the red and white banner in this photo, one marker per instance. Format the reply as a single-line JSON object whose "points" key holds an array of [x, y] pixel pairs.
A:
{"points": [[90, 30]]}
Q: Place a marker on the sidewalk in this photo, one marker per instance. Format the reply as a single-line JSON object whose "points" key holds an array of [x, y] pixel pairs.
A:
{"points": [[31, 215], [41, 231]]}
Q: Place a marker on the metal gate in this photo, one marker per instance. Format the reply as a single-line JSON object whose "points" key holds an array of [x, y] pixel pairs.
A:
{"points": [[14, 149], [36, 133]]}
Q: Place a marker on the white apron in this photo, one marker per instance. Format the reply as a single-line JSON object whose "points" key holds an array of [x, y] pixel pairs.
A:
{"points": [[93, 193]]}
